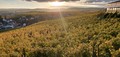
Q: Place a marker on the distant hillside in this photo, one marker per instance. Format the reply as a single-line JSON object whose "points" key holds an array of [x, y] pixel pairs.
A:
{"points": [[17, 20], [82, 35]]}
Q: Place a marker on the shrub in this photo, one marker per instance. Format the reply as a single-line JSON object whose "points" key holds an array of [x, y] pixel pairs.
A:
{"points": [[116, 43]]}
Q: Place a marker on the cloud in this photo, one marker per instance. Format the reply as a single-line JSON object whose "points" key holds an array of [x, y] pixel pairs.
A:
{"points": [[87, 1], [50, 0], [99, 0]]}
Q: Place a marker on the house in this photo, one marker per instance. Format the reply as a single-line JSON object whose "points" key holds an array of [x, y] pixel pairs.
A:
{"points": [[24, 24], [8, 26], [1, 24], [113, 7]]}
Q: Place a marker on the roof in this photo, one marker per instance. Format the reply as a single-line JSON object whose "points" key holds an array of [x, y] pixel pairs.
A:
{"points": [[114, 2]]}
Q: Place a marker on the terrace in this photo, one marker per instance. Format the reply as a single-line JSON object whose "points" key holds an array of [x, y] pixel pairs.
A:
{"points": [[113, 7]]}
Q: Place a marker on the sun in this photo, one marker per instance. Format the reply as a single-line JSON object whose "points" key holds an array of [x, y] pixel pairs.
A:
{"points": [[56, 3]]}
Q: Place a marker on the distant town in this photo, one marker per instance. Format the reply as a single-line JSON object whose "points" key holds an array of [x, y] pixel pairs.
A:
{"points": [[8, 23]]}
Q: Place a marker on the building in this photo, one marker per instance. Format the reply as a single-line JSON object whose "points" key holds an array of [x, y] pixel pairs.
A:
{"points": [[113, 7]]}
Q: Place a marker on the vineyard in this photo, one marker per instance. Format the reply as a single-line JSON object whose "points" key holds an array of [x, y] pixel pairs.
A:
{"points": [[82, 34]]}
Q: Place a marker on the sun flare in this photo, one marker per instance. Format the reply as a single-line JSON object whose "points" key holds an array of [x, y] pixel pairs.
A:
{"points": [[56, 3]]}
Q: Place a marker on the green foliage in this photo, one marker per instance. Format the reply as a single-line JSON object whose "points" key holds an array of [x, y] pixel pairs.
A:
{"points": [[114, 33], [84, 36], [116, 43]]}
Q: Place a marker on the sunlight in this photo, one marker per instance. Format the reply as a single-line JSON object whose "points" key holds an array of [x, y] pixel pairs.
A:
{"points": [[56, 3], [64, 23]]}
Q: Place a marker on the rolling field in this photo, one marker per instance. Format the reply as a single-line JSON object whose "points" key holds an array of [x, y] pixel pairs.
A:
{"points": [[82, 34]]}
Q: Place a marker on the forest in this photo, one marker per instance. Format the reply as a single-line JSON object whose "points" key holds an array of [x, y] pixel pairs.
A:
{"points": [[79, 34]]}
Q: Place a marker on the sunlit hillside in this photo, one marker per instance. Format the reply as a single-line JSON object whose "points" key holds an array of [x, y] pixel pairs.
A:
{"points": [[81, 35]]}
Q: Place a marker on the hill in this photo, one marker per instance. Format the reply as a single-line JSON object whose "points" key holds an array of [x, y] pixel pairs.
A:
{"points": [[81, 35]]}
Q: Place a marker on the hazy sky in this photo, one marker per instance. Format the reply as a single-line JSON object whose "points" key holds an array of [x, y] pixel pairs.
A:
{"points": [[45, 3]]}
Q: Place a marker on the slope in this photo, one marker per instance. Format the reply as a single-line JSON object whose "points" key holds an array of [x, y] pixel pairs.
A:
{"points": [[82, 35]]}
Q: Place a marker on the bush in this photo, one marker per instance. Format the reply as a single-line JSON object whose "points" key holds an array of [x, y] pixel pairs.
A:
{"points": [[116, 44]]}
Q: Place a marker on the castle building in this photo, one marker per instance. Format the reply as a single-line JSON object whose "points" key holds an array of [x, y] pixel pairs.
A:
{"points": [[113, 7]]}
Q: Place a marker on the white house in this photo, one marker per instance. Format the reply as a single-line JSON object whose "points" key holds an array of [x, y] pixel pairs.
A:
{"points": [[113, 7], [8, 26]]}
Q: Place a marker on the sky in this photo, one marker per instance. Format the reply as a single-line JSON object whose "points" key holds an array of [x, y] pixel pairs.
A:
{"points": [[45, 3]]}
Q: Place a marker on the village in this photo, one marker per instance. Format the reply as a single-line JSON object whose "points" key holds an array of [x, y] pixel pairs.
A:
{"points": [[8, 23], [11, 21]]}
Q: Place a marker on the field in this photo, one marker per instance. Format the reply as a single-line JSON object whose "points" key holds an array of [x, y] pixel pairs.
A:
{"points": [[82, 34]]}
